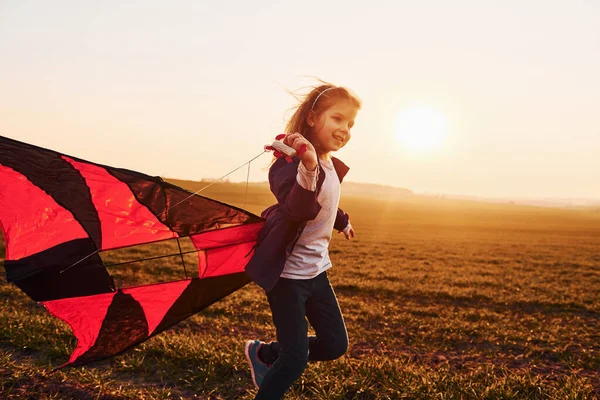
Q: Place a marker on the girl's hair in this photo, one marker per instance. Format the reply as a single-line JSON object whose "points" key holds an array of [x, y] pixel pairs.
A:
{"points": [[319, 99]]}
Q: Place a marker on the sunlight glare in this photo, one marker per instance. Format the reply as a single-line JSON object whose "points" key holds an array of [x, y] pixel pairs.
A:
{"points": [[420, 128]]}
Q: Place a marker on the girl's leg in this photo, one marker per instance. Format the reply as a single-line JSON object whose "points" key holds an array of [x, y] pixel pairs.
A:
{"points": [[288, 306], [325, 316]]}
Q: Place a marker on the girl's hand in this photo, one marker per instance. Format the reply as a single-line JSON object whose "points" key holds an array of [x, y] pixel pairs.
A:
{"points": [[348, 231], [306, 151]]}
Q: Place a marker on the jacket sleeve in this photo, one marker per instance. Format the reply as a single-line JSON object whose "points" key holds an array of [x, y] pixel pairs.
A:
{"points": [[341, 220], [297, 203]]}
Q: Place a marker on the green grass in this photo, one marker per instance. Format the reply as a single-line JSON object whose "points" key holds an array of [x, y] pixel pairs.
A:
{"points": [[443, 299]]}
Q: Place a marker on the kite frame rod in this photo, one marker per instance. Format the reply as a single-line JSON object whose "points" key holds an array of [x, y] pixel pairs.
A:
{"points": [[182, 260], [179, 253], [154, 258]]}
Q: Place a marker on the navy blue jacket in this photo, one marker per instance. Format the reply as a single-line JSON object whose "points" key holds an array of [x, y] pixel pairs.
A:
{"points": [[286, 220]]}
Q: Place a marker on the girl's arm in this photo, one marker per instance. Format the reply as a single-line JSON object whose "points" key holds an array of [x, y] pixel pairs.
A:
{"points": [[295, 184], [298, 203], [341, 220], [342, 224]]}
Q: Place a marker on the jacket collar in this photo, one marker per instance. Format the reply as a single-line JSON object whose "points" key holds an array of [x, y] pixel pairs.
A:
{"points": [[341, 168]]}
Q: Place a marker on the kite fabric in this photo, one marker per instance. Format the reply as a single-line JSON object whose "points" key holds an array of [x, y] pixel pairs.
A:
{"points": [[58, 213]]}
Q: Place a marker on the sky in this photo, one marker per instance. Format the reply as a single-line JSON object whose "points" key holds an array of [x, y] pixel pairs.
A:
{"points": [[195, 89]]}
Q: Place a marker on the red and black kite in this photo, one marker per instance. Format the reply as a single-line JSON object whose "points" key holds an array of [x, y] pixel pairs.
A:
{"points": [[58, 213]]}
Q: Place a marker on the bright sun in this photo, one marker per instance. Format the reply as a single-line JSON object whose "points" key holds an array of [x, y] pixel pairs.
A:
{"points": [[420, 128]]}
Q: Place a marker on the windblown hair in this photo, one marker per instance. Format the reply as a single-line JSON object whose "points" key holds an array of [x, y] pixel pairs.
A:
{"points": [[319, 99]]}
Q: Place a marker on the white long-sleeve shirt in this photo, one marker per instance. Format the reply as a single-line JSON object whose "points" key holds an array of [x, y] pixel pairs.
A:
{"points": [[310, 255]]}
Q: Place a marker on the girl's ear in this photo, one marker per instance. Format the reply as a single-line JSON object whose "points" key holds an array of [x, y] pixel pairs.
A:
{"points": [[310, 119]]}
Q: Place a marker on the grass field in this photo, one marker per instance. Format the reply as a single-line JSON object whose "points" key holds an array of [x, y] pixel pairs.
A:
{"points": [[443, 299]]}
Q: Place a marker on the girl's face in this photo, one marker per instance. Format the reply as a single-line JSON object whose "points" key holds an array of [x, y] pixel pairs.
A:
{"points": [[331, 130]]}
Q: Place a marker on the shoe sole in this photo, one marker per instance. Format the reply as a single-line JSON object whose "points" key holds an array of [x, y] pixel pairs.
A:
{"points": [[247, 352]]}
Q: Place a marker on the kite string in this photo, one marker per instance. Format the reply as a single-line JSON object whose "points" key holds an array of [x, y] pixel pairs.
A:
{"points": [[215, 181], [190, 196], [247, 180]]}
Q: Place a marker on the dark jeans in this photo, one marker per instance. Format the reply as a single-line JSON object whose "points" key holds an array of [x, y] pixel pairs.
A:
{"points": [[292, 302]]}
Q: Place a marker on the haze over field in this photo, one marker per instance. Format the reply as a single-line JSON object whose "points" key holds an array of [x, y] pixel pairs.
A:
{"points": [[376, 191], [479, 98]]}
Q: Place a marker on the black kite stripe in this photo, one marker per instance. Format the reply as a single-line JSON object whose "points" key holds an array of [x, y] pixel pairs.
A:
{"points": [[39, 275], [196, 215], [124, 325], [55, 176], [200, 294]]}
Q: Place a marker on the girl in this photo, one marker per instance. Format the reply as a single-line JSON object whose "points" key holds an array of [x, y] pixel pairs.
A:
{"points": [[291, 259]]}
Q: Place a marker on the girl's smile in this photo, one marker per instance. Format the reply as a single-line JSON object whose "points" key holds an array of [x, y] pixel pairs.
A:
{"points": [[331, 131]]}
